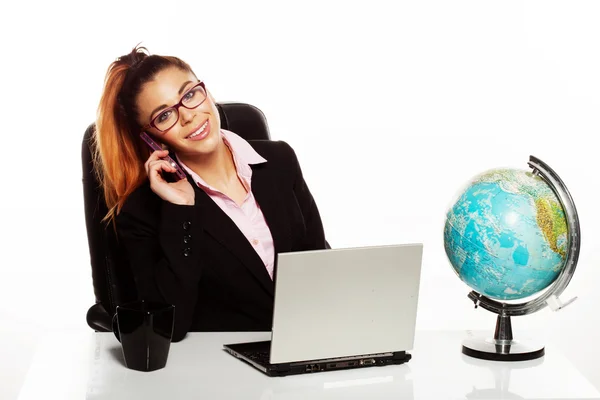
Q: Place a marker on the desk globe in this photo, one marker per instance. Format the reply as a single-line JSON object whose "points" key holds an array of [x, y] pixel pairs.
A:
{"points": [[511, 235]]}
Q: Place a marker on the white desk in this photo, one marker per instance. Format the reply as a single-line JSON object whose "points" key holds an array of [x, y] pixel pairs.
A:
{"points": [[89, 365]]}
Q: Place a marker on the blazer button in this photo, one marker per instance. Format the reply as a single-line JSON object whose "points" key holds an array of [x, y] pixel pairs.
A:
{"points": [[187, 252], [187, 239], [186, 225]]}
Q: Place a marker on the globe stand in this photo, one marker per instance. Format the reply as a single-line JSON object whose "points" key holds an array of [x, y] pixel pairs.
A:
{"points": [[502, 347]]}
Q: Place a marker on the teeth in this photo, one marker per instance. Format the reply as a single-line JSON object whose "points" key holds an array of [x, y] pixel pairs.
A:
{"points": [[199, 130]]}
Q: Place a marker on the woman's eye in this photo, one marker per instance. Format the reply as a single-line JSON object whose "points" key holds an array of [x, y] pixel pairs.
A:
{"points": [[164, 116], [190, 95]]}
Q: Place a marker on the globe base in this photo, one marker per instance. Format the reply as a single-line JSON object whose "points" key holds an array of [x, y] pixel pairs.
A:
{"points": [[502, 350]]}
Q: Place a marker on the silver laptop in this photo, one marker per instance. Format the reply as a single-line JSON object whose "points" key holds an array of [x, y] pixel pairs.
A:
{"points": [[340, 308]]}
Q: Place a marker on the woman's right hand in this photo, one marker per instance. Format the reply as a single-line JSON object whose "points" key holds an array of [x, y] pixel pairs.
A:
{"points": [[180, 192]]}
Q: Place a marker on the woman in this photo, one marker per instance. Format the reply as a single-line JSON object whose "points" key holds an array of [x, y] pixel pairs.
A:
{"points": [[205, 243]]}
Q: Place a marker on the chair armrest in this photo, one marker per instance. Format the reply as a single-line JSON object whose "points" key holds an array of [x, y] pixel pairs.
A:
{"points": [[98, 319]]}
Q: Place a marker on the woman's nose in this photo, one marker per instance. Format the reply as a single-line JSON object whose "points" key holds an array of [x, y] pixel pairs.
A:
{"points": [[186, 115]]}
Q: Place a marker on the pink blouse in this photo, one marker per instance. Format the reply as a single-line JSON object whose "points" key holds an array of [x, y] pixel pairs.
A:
{"points": [[248, 217]]}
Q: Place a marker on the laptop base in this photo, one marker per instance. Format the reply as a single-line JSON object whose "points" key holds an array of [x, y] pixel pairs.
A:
{"points": [[257, 355]]}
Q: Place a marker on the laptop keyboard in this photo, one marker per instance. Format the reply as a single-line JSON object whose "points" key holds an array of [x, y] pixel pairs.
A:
{"points": [[261, 357]]}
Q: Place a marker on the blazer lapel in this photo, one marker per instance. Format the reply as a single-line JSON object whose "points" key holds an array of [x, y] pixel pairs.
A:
{"points": [[218, 224], [272, 204]]}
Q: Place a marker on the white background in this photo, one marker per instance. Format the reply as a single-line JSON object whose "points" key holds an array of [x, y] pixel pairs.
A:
{"points": [[390, 106]]}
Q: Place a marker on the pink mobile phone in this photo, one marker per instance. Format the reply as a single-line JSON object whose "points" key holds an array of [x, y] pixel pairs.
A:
{"points": [[155, 146]]}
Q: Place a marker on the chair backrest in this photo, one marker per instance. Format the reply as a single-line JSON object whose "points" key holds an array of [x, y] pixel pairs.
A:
{"points": [[112, 278]]}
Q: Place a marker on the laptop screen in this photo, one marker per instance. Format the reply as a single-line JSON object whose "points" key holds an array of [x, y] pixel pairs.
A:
{"points": [[345, 302]]}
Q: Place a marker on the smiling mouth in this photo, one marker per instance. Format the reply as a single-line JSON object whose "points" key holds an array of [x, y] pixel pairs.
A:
{"points": [[202, 131]]}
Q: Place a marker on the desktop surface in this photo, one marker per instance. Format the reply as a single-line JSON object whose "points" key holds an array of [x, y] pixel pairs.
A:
{"points": [[89, 365]]}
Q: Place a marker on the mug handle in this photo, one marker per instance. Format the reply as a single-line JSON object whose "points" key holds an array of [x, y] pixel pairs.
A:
{"points": [[115, 327]]}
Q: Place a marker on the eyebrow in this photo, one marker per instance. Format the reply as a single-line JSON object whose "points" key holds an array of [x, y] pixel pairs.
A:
{"points": [[164, 105]]}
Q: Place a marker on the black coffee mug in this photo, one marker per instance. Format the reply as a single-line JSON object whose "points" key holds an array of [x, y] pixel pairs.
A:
{"points": [[145, 330]]}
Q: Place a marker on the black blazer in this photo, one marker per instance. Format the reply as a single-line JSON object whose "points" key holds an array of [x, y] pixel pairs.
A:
{"points": [[197, 259]]}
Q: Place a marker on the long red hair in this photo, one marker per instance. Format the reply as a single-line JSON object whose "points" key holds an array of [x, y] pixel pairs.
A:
{"points": [[119, 154]]}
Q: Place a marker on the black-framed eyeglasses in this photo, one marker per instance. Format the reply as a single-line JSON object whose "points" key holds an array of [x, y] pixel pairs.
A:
{"points": [[167, 118]]}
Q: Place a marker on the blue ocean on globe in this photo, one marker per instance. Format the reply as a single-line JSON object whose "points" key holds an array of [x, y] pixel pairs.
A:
{"points": [[506, 235]]}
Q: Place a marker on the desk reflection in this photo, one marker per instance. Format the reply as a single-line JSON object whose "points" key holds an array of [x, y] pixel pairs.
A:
{"points": [[389, 382], [501, 372]]}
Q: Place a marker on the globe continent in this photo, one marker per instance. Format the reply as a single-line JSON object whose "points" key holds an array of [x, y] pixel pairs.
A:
{"points": [[506, 235]]}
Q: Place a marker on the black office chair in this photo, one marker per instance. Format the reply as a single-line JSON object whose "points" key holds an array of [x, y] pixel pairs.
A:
{"points": [[111, 276]]}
